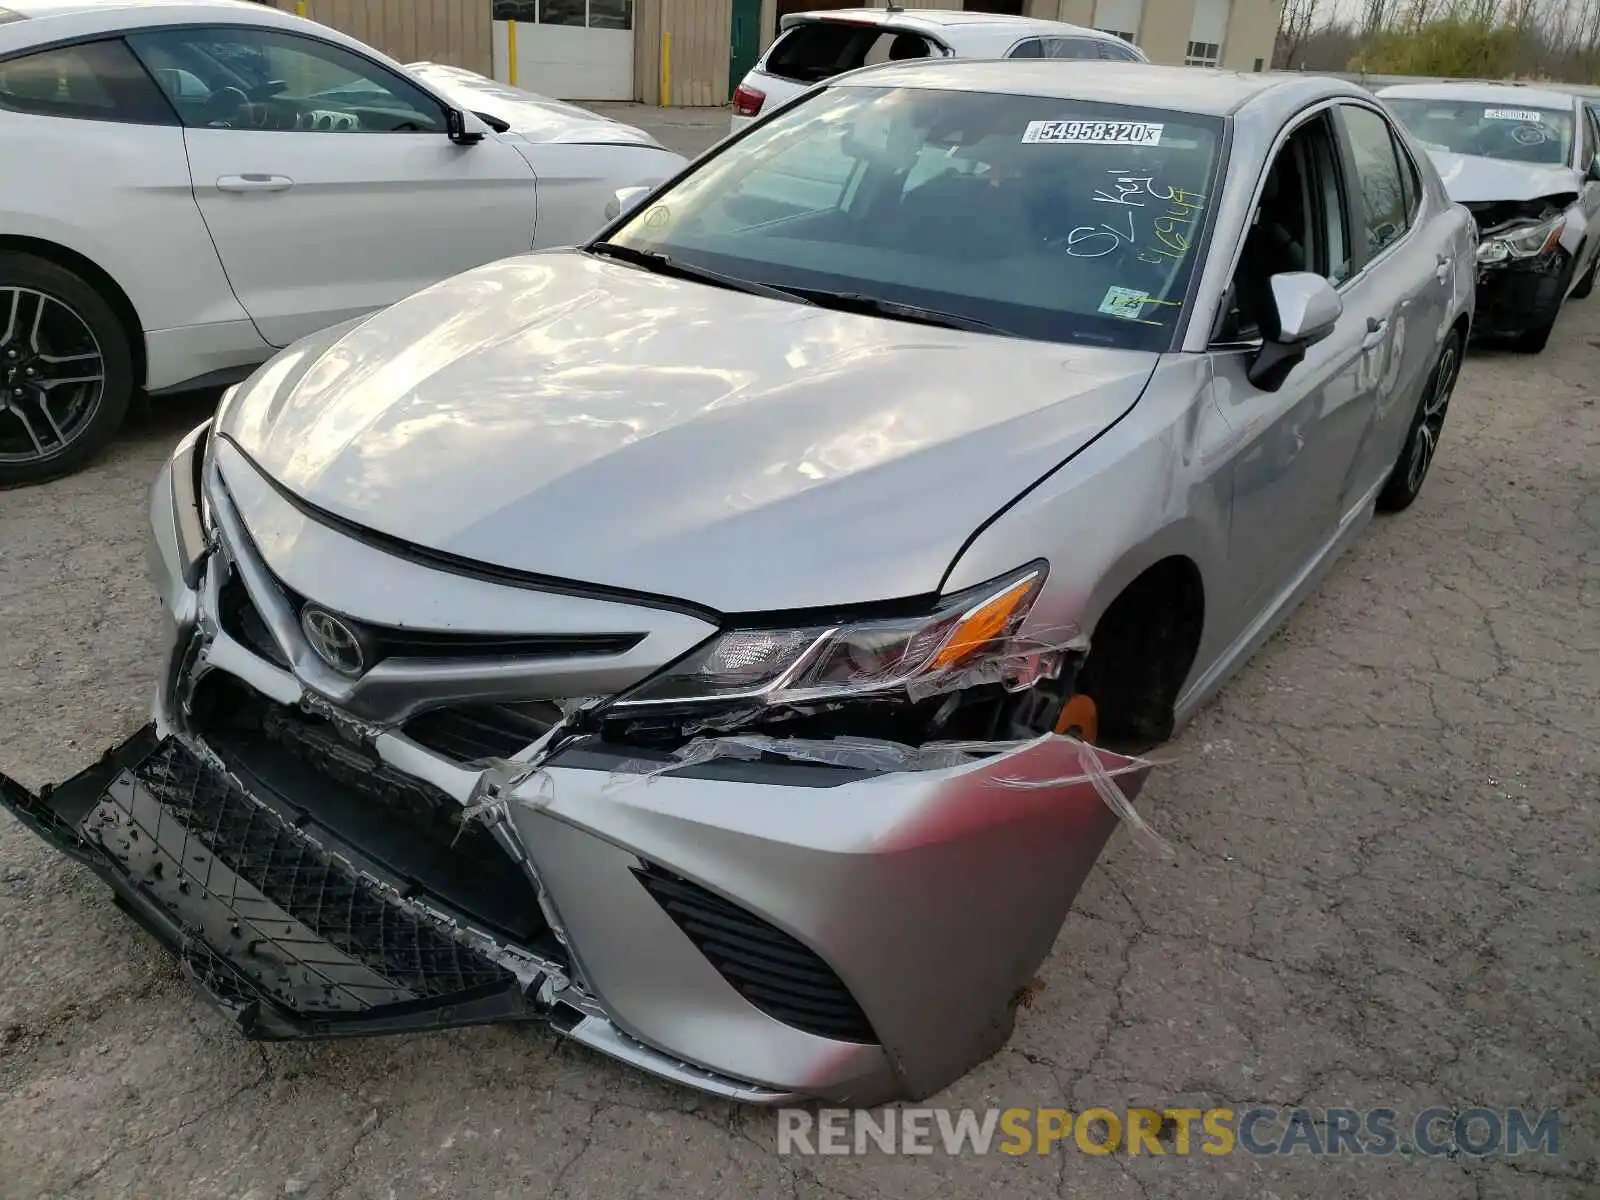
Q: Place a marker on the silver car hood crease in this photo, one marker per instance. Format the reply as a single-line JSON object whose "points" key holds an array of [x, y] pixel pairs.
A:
{"points": [[575, 418]]}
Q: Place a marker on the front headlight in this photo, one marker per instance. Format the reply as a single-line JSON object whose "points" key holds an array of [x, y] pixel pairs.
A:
{"points": [[969, 638], [1526, 241]]}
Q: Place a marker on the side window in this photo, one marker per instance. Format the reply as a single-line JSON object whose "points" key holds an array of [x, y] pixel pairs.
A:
{"points": [[232, 77], [1117, 52], [1073, 48], [1378, 180], [1589, 139], [92, 81], [1032, 48], [1299, 225]]}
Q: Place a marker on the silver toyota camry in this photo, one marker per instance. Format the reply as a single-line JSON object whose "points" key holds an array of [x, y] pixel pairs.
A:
{"points": [[726, 641]]}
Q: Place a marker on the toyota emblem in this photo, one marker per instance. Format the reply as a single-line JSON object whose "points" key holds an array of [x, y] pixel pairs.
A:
{"points": [[334, 642]]}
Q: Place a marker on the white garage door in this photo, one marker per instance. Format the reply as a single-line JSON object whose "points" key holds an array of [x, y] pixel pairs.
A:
{"points": [[567, 49]]}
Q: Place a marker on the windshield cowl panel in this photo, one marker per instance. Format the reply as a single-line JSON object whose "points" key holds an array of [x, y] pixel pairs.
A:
{"points": [[1035, 217]]}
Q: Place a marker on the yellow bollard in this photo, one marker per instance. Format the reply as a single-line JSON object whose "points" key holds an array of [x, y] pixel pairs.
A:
{"points": [[300, 8], [511, 53], [666, 70]]}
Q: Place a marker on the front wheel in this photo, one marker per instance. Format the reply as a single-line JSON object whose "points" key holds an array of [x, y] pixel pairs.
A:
{"points": [[66, 370], [1416, 455]]}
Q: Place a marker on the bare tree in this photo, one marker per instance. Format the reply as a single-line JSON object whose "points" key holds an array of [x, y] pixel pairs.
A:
{"points": [[1298, 22]]}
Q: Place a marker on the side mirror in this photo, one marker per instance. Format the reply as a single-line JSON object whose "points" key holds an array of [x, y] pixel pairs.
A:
{"points": [[1592, 175], [624, 199], [1305, 309], [463, 128]]}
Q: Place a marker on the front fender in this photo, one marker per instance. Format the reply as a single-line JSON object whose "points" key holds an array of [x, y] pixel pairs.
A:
{"points": [[1152, 486]]}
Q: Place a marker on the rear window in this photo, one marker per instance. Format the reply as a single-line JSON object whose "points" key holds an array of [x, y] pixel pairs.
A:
{"points": [[819, 50]]}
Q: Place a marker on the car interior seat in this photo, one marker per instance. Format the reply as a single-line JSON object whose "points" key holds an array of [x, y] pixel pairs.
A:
{"points": [[907, 45], [1271, 247]]}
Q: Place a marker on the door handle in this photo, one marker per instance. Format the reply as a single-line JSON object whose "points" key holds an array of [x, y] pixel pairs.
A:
{"points": [[254, 183], [1442, 270], [1375, 332]]}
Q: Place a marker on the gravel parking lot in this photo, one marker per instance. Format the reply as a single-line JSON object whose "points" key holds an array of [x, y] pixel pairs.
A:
{"points": [[1386, 892]]}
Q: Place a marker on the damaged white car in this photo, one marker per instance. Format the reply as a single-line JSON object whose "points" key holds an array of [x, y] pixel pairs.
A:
{"points": [[697, 639], [1524, 162]]}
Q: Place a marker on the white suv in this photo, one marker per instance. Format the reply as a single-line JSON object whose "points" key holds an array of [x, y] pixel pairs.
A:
{"points": [[813, 46]]}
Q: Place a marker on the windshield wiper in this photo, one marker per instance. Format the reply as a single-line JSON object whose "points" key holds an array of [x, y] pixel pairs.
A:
{"points": [[663, 264], [895, 310]]}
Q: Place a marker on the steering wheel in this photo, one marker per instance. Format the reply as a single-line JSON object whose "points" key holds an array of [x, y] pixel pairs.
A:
{"points": [[406, 127], [223, 105]]}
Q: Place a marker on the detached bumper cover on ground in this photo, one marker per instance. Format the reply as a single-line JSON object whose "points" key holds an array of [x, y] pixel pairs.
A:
{"points": [[289, 941], [294, 932]]}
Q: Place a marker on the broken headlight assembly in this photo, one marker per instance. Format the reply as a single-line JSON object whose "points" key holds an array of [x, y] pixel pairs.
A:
{"points": [[967, 640], [1520, 242]]}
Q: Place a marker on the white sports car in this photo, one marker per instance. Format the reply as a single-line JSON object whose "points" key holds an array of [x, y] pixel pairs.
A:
{"points": [[189, 185]]}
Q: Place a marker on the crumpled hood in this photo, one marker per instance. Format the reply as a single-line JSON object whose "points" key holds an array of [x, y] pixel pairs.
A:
{"points": [[1470, 178], [533, 117], [577, 418]]}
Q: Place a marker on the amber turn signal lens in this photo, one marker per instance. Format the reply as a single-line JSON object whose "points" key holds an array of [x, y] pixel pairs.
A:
{"points": [[985, 622]]}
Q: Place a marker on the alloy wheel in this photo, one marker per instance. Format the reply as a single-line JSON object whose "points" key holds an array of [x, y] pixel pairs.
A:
{"points": [[52, 375], [1434, 406]]}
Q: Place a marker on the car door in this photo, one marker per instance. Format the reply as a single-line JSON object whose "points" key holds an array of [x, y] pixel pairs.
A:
{"points": [[1293, 445], [327, 180], [1403, 292], [92, 158]]}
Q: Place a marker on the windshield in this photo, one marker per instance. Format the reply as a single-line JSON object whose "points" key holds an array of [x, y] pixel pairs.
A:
{"points": [[1045, 218], [1511, 132]]}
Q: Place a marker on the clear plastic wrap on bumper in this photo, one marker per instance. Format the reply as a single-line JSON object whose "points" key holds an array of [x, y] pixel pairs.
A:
{"points": [[871, 754], [1015, 662]]}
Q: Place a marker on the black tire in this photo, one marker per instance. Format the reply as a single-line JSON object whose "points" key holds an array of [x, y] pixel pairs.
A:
{"points": [[1422, 438], [66, 371], [1586, 284]]}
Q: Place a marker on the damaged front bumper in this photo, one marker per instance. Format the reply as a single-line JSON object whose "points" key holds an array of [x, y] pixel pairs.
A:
{"points": [[1517, 296], [759, 920]]}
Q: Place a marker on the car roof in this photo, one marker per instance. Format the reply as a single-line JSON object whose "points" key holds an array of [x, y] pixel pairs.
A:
{"points": [[946, 21], [58, 8], [1485, 93], [1197, 90]]}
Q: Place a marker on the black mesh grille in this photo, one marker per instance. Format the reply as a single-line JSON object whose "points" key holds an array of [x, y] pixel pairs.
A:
{"points": [[314, 889], [470, 732], [775, 972]]}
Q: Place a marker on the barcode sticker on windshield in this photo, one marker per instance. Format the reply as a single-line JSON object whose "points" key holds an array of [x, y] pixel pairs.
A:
{"points": [[1511, 114], [1095, 133]]}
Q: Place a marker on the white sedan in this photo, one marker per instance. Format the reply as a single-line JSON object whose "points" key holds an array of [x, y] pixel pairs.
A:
{"points": [[209, 180]]}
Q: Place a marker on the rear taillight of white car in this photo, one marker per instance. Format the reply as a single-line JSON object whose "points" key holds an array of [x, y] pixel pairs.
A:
{"points": [[747, 101]]}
